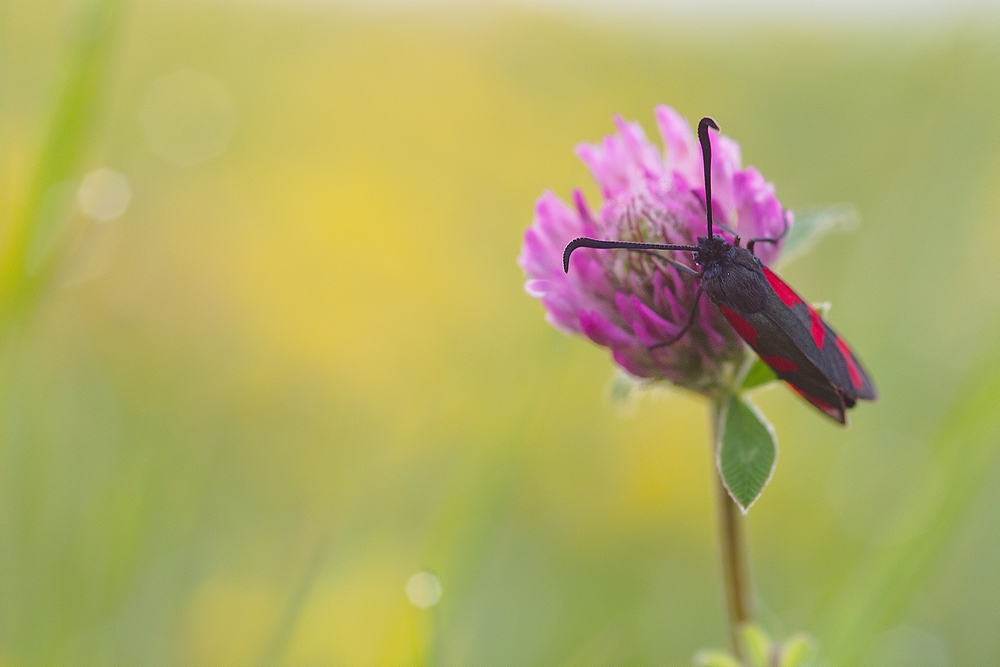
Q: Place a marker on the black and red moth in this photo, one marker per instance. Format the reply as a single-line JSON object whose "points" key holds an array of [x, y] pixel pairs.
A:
{"points": [[785, 331]]}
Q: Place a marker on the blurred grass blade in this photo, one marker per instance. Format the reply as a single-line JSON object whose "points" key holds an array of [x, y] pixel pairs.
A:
{"points": [[811, 226], [885, 580], [275, 651], [52, 216], [36, 226]]}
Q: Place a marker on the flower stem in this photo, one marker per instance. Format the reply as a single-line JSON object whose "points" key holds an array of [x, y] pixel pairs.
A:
{"points": [[734, 550]]}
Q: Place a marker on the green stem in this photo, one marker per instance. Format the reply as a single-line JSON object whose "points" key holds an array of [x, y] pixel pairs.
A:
{"points": [[734, 550]]}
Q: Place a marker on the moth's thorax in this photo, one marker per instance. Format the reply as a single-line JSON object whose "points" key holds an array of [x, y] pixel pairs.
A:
{"points": [[731, 275]]}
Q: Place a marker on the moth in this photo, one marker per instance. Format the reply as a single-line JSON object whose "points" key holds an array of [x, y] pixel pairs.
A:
{"points": [[784, 330]]}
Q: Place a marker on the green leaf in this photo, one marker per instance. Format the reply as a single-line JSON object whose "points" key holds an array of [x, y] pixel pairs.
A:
{"points": [[758, 375], [746, 453], [714, 658], [623, 392], [797, 651], [756, 645], [811, 226]]}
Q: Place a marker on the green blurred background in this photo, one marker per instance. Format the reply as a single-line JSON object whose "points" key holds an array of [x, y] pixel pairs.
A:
{"points": [[301, 367]]}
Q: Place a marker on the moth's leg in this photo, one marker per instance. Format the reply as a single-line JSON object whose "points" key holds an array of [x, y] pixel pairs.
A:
{"points": [[751, 242], [672, 262], [690, 322]]}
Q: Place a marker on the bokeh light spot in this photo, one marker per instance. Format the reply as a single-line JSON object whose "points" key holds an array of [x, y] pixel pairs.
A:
{"points": [[104, 194], [423, 589], [188, 117]]}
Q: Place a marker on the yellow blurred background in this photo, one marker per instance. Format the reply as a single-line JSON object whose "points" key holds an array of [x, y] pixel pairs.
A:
{"points": [[299, 367]]}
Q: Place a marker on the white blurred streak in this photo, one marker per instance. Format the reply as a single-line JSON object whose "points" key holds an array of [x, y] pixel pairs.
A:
{"points": [[721, 11]]}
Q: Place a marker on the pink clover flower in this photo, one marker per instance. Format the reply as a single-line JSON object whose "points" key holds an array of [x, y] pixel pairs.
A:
{"points": [[629, 301]]}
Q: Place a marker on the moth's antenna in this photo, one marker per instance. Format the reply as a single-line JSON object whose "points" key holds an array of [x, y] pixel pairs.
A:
{"points": [[706, 153], [584, 242]]}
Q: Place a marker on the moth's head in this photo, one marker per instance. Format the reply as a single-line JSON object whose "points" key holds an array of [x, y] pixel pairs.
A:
{"points": [[711, 249]]}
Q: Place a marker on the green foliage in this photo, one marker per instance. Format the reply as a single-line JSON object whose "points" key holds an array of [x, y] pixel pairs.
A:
{"points": [[760, 650], [757, 645], [715, 658], [747, 451], [798, 651], [758, 375], [812, 225], [623, 393]]}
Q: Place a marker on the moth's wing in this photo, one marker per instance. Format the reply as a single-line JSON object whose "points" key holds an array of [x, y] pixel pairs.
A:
{"points": [[817, 340], [842, 361], [774, 342]]}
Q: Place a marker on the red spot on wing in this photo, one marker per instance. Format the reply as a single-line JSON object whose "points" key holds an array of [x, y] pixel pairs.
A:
{"points": [[746, 330], [852, 368], [817, 329], [784, 292], [827, 409], [781, 364]]}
